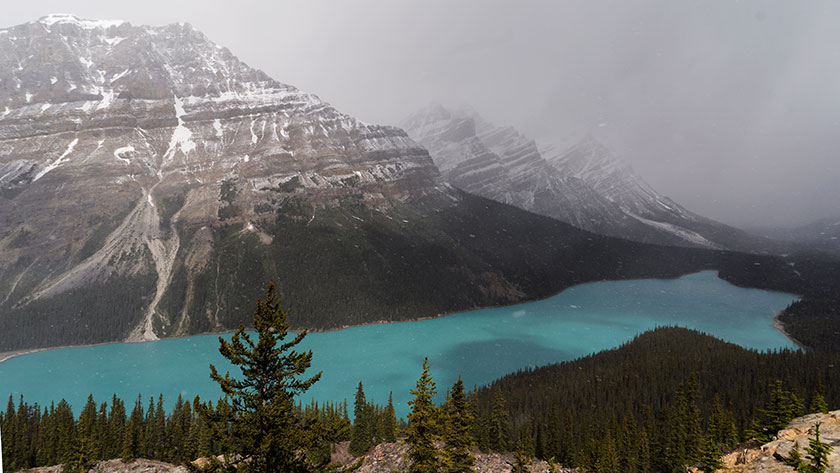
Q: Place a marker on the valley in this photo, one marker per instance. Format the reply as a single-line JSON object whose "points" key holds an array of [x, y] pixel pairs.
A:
{"points": [[153, 184], [197, 178]]}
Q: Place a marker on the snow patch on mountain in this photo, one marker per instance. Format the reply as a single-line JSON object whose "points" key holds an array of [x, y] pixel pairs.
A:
{"points": [[66, 18], [58, 161], [181, 136], [119, 152]]}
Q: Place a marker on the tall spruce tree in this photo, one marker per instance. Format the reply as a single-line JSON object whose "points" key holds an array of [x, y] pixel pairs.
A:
{"points": [[360, 434], [775, 416], [457, 432], [257, 422], [499, 429], [423, 425], [389, 421], [710, 454]]}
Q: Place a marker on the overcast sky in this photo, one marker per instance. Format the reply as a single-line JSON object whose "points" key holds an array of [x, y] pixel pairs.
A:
{"points": [[731, 108]]}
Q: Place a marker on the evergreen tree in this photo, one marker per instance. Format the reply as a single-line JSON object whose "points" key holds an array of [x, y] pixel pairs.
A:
{"points": [[87, 419], [422, 425], [179, 431], [7, 426], [818, 452], [644, 458], [675, 456], [457, 435], [694, 430], [520, 459], [389, 421], [116, 429], [133, 433], [360, 434], [257, 423], [716, 428], [774, 417], [499, 429], [795, 405], [818, 403], [710, 454], [65, 428], [795, 459], [629, 446], [82, 456]]}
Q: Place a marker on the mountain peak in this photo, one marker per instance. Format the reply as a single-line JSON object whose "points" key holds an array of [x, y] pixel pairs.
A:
{"points": [[68, 18]]}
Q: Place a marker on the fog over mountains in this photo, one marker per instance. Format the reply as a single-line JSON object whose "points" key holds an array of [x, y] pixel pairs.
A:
{"points": [[151, 183], [729, 109], [585, 185]]}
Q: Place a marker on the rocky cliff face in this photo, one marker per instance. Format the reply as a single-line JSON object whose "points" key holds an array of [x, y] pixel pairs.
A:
{"points": [[586, 185], [123, 147]]}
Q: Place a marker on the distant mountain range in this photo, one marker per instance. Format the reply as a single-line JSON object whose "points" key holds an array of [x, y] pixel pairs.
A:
{"points": [[822, 235], [585, 185], [151, 184]]}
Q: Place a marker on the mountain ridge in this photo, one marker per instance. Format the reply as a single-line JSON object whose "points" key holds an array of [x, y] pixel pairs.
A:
{"points": [[585, 185], [151, 184]]}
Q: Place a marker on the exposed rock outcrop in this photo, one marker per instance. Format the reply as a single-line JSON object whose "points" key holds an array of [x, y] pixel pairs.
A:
{"points": [[118, 466], [769, 458], [389, 457]]}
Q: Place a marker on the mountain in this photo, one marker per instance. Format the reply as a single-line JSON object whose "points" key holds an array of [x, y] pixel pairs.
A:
{"points": [[822, 235], [585, 185], [151, 184]]}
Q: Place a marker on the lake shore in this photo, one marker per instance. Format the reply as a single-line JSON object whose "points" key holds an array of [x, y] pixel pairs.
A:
{"points": [[5, 356], [780, 326]]}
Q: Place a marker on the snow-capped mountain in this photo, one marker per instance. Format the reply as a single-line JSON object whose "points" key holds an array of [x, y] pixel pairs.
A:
{"points": [[151, 184], [120, 145], [585, 185]]}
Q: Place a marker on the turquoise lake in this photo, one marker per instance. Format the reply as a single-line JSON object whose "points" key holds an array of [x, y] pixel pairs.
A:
{"points": [[480, 345]]}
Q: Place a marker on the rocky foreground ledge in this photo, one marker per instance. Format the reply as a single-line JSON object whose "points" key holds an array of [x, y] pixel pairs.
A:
{"points": [[388, 457], [384, 458], [769, 458]]}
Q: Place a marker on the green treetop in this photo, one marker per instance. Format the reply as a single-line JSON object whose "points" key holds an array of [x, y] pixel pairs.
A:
{"points": [[257, 423], [457, 433], [422, 425]]}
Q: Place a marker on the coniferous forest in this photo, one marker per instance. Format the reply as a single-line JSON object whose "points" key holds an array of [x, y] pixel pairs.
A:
{"points": [[669, 398]]}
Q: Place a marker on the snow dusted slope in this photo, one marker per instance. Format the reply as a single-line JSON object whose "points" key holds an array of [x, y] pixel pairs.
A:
{"points": [[151, 184], [590, 161], [120, 145], [504, 165], [586, 185]]}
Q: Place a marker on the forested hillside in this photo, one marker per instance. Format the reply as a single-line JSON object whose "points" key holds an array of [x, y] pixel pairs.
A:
{"points": [[657, 402], [668, 398]]}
